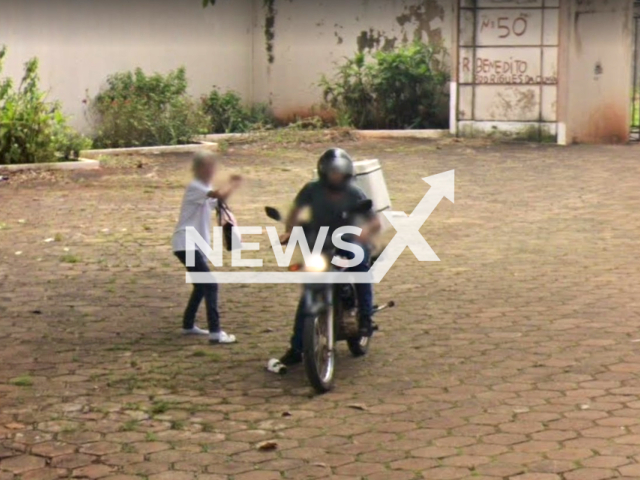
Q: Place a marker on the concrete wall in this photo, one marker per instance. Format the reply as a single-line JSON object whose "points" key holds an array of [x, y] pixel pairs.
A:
{"points": [[595, 71], [309, 37], [80, 42]]}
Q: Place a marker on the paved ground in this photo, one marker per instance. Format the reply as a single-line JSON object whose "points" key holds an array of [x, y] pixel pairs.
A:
{"points": [[516, 357]]}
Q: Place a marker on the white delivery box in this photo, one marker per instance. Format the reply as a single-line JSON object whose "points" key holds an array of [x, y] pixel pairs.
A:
{"points": [[369, 177]]}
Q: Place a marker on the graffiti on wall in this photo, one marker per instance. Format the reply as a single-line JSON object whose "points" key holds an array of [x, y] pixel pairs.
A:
{"points": [[506, 70], [508, 53]]}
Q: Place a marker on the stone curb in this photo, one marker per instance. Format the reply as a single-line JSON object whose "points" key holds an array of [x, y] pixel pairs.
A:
{"points": [[362, 134], [88, 164], [370, 134], [192, 147], [215, 137], [80, 164]]}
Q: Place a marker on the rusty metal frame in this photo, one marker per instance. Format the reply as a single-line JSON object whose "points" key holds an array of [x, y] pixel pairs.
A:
{"points": [[474, 9]]}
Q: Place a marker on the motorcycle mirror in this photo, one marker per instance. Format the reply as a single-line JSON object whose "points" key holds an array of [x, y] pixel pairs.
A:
{"points": [[273, 214]]}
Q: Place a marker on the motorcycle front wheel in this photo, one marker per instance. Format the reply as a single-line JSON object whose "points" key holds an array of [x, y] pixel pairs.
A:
{"points": [[319, 356]]}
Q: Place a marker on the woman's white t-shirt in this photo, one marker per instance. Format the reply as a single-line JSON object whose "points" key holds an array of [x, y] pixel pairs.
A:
{"points": [[197, 208]]}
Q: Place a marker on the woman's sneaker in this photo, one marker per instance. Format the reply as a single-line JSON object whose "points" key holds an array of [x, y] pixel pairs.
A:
{"points": [[194, 331], [222, 337]]}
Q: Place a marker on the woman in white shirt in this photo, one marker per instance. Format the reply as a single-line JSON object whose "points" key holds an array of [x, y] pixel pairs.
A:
{"points": [[198, 204]]}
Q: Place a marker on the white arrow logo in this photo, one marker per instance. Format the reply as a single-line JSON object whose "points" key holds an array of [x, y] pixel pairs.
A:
{"points": [[407, 235], [408, 227]]}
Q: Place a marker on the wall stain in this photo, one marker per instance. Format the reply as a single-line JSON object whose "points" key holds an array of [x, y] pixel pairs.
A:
{"points": [[269, 28], [415, 23], [514, 100], [389, 44], [368, 40], [371, 40], [606, 124], [422, 14], [339, 37], [269, 25]]}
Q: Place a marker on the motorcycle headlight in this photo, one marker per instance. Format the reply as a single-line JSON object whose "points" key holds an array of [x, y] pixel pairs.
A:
{"points": [[317, 263]]}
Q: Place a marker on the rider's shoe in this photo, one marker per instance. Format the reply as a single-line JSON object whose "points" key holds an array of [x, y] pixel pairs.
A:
{"points": [[292, 357], [367, 327]]}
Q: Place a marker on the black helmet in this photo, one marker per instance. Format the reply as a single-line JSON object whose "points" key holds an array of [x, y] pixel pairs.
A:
{"points": [[335, 160]]}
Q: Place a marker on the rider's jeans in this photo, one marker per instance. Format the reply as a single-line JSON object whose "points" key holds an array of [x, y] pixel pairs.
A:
{"points": [[364, 291]]}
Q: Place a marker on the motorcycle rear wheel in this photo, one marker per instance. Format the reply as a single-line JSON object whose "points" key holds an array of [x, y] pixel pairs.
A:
{"points": [[319, 361], [358, 346]]}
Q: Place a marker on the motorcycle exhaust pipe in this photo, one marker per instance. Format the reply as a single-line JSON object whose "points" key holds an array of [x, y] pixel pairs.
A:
{"points": [[390, 304]]}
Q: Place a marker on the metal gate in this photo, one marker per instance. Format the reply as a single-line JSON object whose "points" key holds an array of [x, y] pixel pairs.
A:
{"points": [[635, 99]]}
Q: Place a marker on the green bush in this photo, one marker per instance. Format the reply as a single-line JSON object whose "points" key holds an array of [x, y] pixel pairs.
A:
{"points": [[403, 88], [33, 130], [227, 114], [138, 110]]}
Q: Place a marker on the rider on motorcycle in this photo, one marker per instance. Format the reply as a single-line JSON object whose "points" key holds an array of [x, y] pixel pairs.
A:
{"points": [[328, 198]]}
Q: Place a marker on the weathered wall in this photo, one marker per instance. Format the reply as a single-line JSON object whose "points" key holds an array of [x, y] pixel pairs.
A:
{"points": [[296, 41], [80, 42], [595, 74], [276, 51]]}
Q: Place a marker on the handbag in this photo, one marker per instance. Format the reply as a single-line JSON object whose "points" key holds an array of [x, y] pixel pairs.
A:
{"points": [[228, 221]]}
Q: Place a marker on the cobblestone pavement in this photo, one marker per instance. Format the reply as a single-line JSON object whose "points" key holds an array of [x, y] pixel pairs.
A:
{"points": [[515, 357]]}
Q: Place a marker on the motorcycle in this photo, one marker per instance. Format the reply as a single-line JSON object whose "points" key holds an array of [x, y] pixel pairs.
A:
{"points": [[331, 315]]}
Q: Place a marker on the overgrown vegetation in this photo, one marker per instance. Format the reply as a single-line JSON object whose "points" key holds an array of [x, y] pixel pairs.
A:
{"points": [[226, 113], [310, 130], [137, 110], [32, 129], [399, 89]]}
